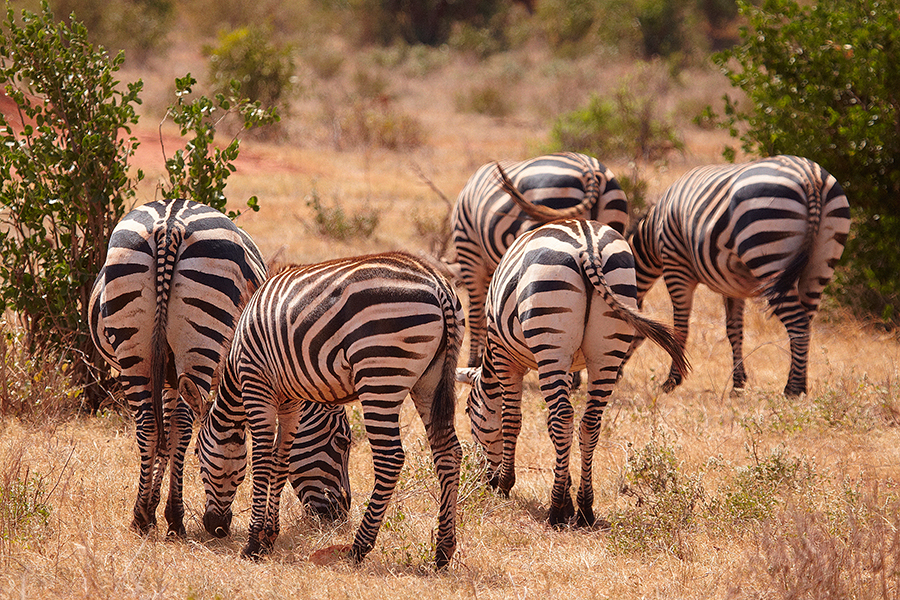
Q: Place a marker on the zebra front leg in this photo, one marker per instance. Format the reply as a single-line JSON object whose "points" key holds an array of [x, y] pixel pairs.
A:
{"points": [[382, 422], [269, 475], [734, 328], [476, 283], [797, 322]]}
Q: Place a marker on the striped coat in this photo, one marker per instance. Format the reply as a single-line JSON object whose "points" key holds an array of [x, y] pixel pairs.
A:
{"points": [[773, 228], [162, 310], [486, 220], [562, 299], [374, 329]]}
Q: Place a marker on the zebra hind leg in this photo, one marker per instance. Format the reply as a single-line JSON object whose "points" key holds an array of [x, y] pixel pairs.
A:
{"points": [[797, 322], [181, 426]]}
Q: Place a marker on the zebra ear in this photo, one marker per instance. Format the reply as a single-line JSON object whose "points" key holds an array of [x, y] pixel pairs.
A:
{"points": [[467, 374], [191, 394]]}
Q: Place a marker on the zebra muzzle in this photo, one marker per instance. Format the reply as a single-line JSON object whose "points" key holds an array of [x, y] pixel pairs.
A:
{"points": [[217, 524]]}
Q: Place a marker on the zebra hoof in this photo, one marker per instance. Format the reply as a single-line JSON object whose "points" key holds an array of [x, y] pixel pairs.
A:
{"points": [[142, 526], [176, 531], [669, 385], [792, 391], [442, 557], [216, 524], [358, 553], [585, 518]]}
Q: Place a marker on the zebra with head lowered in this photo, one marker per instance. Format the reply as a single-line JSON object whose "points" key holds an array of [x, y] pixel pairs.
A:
{"points": [[162, 312], [562, 299], [486, 220], [372, 328], [774, 227]]}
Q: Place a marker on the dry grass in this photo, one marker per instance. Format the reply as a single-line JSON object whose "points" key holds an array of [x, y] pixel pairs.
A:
{"points": [[797, 499]]}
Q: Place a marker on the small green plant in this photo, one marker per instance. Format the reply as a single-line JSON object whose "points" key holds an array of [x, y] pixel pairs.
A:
{"points": [[199, 170], [756, 490], [264, 69], [334, 223], [663, 501], [24, 499], [624, 126], [376, 123]]}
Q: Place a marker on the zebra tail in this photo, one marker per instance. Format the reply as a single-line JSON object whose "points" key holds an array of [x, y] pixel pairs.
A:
{"points": [[542, 213], [166, 251], [444, 405], [659, 333], [785, 283]]}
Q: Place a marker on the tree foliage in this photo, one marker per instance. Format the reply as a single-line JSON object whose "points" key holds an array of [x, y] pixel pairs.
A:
{"points": [[65, 179], [823, 81], [199, 170]]}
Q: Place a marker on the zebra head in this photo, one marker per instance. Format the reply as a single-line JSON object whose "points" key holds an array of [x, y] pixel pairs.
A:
{"points": [[484, 407], [320, 456], [222, 454]]}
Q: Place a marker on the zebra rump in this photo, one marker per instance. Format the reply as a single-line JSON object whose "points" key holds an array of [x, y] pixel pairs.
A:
{"points": [[772, 228], [486, 219], [562, 299], [374, 329]]}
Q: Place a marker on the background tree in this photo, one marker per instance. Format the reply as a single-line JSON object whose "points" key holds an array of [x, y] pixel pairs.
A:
{"points": [[65, 179], [823, 81]]}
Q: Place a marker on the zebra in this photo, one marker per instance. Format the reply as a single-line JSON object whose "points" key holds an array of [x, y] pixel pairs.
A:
{"points": [[775, 227], [162, 310], [485, 220], [371, 328], [563, 298]]}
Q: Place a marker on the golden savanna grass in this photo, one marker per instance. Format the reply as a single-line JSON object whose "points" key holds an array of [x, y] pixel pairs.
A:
{"points": [[709, 494]]}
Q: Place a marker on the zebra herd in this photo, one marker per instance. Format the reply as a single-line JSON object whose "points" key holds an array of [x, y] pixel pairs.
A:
{"points": [[186, 310]]}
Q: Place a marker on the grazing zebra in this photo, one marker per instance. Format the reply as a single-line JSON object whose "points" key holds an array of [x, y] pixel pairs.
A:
{"points": [[562, 299], [372, 328], [774, 227], [485, 220], [162, 310]]}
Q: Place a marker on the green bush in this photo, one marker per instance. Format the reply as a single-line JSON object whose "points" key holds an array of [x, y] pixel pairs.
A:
{"points": [[64, 173], [822, 81], [334, 223], [264, 69], [139, 27], [624, 126], [665, 501], [199, 170]]}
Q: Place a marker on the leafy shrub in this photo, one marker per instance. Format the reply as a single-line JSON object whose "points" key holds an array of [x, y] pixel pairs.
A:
{"points": [[333, 222], [820, 81], [623, 126], [664, 501], [264, 69], [486, 99], [199, 170], [377, 123], [65, 177], [756, 490], [418, 21]]}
